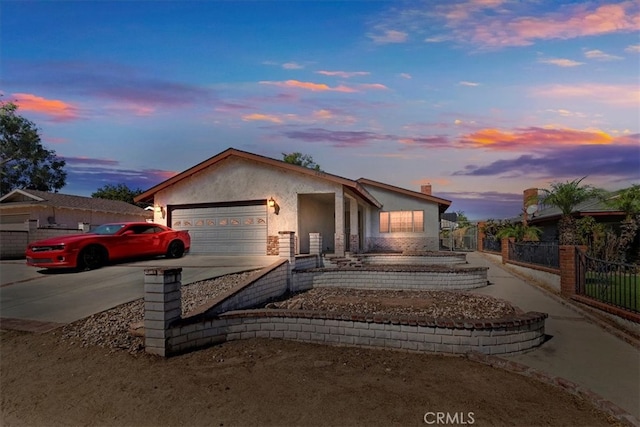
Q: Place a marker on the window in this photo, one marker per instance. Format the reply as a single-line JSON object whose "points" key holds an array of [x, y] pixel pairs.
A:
{"points": [[402, 222]]}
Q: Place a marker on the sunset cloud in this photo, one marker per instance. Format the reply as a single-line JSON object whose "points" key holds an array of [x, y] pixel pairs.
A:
{"points": [[337, 138], [314, 87], [625, 95], [262, 117], [58, 110], [495, 24], [535, 138], [561, 62], [634, 48], [343, 74], [389, 36], [600, 55], [595, 160], [292, 66]]}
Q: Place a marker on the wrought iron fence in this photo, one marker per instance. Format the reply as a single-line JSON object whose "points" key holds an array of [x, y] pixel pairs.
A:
{"points": [[546, 254], [492, 244], [612, 283]]}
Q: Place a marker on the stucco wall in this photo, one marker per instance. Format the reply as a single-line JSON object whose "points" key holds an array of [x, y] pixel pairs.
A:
{"points": [[235, 179], [428, 240], [64, 217]]}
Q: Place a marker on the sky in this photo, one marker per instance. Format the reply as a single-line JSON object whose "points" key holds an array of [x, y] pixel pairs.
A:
{"points": [[482, 99]]}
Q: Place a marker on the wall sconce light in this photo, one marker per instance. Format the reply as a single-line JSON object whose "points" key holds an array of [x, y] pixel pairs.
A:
{"points": [[272, 204], [160, 209]]}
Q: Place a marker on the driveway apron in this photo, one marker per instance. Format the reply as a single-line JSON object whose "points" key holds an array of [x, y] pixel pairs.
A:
{"points": [[578, 349], [56, 297]]}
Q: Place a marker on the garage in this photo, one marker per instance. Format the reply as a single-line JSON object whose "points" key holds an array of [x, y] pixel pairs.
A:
{"points": [[224, 230]]}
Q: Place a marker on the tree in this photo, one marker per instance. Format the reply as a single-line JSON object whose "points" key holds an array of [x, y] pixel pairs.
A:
{"points": [[301, 160], [118, 192], [24, 162], [627, 201], [566, 196], [519, 231]]}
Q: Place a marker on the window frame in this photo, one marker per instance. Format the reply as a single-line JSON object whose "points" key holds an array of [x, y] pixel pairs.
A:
{"points": [[387, 224]]}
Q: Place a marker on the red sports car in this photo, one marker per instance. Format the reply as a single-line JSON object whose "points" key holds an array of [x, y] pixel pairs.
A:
{"points": [[107, 243]]}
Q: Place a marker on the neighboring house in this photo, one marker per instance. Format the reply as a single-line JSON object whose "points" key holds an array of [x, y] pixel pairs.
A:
{"points": [[546, 217], [238, 202], [55, 210], [29, 215]]}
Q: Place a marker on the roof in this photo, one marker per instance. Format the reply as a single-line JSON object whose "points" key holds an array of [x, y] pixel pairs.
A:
{"points": [[443, 204], [43, 198], [592, 207], [354, 186]]}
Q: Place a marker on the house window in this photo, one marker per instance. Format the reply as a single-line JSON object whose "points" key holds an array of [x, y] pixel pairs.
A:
{"points": [[402, 222]]}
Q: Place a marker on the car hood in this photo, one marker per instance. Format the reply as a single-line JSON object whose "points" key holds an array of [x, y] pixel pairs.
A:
{"points": [[63, 239]]}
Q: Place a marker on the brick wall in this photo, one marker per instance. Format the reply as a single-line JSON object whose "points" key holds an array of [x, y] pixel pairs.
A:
{"points": [[13, 244], [167, 332], [498, 336], [436, 258], [390, 278]]}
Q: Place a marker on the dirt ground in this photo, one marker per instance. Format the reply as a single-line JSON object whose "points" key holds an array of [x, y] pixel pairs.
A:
{"points": [[45, 382]]}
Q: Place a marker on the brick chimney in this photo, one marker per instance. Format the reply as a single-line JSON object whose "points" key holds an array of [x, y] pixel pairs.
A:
{"points": [[425, 189]]}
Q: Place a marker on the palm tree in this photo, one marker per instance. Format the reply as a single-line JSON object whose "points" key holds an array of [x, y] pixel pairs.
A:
{"points": [[566, 196], [627, 201], [520, 232]]}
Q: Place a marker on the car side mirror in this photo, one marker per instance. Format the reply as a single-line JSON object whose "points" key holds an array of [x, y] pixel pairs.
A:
{"points": [[128, 233]]}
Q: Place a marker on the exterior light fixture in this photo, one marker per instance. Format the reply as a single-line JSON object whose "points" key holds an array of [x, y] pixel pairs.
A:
{"points": [[272, 204]]}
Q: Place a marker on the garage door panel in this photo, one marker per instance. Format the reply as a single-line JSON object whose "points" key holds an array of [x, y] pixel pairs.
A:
{"points": [[224, 230]]}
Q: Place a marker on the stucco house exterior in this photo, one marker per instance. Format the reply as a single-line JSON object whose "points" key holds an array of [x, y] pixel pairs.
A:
{"points": [[55, 210], [30, 215], [238, 202]]}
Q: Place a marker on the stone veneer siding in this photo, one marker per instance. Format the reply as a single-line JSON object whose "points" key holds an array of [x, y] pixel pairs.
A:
{"points": [[273, 245], [399, 244]]}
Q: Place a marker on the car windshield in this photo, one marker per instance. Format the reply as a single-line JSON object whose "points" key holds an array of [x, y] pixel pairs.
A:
{"points": [[108, 229]]}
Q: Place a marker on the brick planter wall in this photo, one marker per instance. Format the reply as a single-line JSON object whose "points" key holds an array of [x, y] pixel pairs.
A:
{"points": [[226, 318], [391, 277], [425, 258], [496, 336]]}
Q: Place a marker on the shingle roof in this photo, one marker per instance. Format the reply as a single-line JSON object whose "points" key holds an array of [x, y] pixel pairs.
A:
{"points": [[44, 198], [594, 206], [148, 195]]}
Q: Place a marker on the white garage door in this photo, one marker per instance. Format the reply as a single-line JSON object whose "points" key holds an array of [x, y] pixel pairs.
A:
{"points": [[229, 230]]}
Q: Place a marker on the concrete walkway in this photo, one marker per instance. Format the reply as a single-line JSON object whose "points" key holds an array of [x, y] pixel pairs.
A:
{"points": [[578, 349]]}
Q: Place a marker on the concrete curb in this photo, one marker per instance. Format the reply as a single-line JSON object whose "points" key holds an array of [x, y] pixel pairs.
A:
{"points": [[562, 383], [590, 314]]}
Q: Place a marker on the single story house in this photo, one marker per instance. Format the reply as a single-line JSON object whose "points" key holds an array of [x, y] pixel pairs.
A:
{"points": [[55, 210], [30, 215], [547, 217], [238, 202]]}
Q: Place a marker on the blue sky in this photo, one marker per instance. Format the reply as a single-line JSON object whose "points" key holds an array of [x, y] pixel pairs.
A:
{"points": [[482, 99]]}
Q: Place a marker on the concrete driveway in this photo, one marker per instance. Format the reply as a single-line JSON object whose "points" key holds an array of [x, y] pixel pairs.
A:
{"points": [[39, 299]]}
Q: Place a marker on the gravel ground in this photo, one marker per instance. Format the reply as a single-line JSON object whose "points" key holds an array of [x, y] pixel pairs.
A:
{"points": [[112, 328]]}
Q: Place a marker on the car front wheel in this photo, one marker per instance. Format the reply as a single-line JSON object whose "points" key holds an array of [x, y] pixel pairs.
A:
{"points": [[91, 257], [175, 250]]}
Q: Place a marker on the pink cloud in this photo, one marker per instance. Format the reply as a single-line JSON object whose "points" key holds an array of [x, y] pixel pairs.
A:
{"points": [[625, 95], [314, 87], [389, 36], [56, 109], [343, 74]]}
